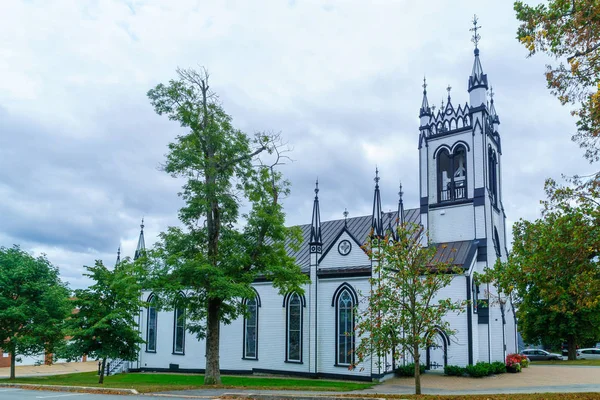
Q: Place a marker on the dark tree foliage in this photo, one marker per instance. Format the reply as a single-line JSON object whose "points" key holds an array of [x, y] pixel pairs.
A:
{"points": [[33, 304]]}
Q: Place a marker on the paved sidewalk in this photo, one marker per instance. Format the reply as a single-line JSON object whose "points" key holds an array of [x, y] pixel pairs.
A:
{"points": [[54, 369], [535, 379]]}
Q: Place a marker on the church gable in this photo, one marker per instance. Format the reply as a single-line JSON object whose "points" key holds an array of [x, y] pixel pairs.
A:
{"points": [[344, 251]]}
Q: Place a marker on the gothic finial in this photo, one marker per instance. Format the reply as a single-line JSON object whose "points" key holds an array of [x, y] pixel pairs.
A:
{"points": [[400, 192], [492, 93], [118, 256], [142, 225], [424, 85], [345, 216], [448, 89], [442, 109], [476, 37], [317, 187], [376, 177], [433, 109]]}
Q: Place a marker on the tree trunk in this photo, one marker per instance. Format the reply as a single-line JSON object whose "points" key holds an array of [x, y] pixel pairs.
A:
{"points": [[13, 360], [101, 379], [417, 370], [572, 347], [212, 374]]}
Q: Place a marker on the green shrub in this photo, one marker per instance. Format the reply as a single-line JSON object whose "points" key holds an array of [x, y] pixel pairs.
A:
{"points": [[498, 367], [524, 362], [479, 370], [454, 370], [408, 370]]}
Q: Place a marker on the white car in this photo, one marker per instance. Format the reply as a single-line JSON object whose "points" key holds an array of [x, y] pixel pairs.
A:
{"points": [[588, 354]]}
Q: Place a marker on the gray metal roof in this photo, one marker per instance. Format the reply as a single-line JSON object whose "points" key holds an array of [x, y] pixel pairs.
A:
{"points": [[456, 253], [359, 227]]}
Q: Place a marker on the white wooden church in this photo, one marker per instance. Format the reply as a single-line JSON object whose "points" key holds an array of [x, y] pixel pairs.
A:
{"points": [[311, 334]]}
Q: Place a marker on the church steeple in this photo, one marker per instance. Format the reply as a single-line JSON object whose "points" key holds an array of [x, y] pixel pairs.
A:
{"points": [[118, 256], [478, 83], [425, 111], [141, 246], [377, 218], [315, 229]]}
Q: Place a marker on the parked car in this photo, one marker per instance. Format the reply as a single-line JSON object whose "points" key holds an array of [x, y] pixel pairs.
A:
{"points": [[588, 354], [540, 355]]}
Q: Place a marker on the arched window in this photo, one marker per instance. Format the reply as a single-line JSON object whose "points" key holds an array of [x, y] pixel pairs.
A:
{"points": [[294, 329], [151, 324], [344, 300], [452, 174], [493, 175], [179, 326], [251, 329]]}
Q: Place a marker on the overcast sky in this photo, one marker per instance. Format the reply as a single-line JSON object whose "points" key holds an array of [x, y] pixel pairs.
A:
{"points": [[80, 146]]}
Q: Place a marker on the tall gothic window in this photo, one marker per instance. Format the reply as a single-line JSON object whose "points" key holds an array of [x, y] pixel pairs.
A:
{"points": [[452, 174], [179, 327], [294, 329], [151, 325], [345, 328], [493, 175], [251, 329]]}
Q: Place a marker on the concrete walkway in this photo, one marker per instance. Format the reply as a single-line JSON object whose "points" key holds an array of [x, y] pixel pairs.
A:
{"points": [[535, 379], [54, 369]]}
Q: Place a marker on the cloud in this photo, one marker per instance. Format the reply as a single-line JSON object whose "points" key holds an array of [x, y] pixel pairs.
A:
{"points": [[81, 148]]}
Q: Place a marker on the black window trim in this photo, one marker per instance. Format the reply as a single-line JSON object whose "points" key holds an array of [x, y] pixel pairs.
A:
{"points": [[286, 304], [151, 298], [175, 309], [258, 304], [344, 287]]}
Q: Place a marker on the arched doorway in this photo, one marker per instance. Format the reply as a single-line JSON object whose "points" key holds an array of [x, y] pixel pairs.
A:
{"points": [[437, 351]]}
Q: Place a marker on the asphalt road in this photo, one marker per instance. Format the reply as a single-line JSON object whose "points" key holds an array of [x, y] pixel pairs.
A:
{"points": [[21, 394]]}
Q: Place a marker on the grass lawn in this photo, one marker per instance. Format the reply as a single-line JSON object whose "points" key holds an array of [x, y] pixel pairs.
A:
{"points": [[156, 382], [567, 362]]}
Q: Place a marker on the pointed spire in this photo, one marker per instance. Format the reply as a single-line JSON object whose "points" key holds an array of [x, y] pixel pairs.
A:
{"points": [[118, 257], [141, 246], [345, 213], [425, 109], [315, 229], [400, 205], [477, 78], [493, 115], [377, 220]]}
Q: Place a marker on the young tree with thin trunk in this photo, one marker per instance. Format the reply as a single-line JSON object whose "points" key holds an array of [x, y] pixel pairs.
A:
{"points": [[34, 304], [403, 306], [104, 325], [222, 248]]}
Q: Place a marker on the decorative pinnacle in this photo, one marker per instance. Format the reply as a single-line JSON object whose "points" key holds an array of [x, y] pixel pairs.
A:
{"points": [[317, 188], [376, 177], [142, 225], [346, 213], [442, 109], [448, 89], [433, 109], [400, 193], [475, 38], [119, 252], [492, 93], [424, 85]]}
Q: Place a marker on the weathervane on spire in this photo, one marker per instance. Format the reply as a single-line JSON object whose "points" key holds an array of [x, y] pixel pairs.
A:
{"points": [[476, 37]]}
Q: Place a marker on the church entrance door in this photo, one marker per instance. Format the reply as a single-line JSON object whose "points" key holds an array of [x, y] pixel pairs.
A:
{"points": [[436, 353]]}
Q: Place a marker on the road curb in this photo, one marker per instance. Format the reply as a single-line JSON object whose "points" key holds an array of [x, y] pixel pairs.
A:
{"points": [[262, 396], [57, 388]]}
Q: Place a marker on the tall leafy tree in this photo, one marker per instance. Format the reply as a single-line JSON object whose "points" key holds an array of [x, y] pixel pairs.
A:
{"points": [[34, 303], [569, 31], [553, 273], [104, 325], [233, 218], [403, 306]]}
